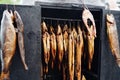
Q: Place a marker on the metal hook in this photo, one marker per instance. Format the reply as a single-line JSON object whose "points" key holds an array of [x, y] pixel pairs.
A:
{"points": [[83, 4], [78, 23], [57, 21], [43, 19], [73, 23], [70, 23], [6, 6], [108, 8], [64, 22], [14, 7], [51, 22]]}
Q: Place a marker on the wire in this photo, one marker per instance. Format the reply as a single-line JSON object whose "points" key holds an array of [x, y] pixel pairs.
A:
{"points": [[84, 6]]}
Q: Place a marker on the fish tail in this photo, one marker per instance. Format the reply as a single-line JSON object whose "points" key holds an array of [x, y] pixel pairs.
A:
{"points": [[59, 66], [25, 65], [46, 69], [4, 76], [118, 62], [89, 65], [52, 65], [22, 54], [23, 61]]}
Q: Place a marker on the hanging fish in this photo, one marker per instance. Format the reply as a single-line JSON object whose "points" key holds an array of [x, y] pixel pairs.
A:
{"points": [[20, 27], [79, 53], [53, 46], [71, 52], [90, 35], [65, 38], [60, 49], [65, 45], [8, 43], [113, 37], [46, 46]]}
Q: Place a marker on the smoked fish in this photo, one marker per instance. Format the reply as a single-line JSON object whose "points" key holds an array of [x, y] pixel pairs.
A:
{"points": [[112, 34], [65, 56], [60, 48], [79, 53], [46, 46], [8, 43], [71, 52], [53, 46], [20, 27], [90, 35]]}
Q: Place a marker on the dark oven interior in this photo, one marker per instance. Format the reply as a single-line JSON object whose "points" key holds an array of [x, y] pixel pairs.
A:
{"points": [[71, 17]]}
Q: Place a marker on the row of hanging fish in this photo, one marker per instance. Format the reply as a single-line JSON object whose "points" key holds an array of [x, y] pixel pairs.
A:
{"points": [[10, 24], [66, 45]]}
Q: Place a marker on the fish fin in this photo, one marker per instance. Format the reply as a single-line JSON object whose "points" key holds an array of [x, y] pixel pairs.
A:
{"points": [[16, 30]]}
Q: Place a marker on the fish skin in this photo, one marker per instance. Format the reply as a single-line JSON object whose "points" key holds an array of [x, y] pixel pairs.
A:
{"points": [[8, 43], [71, 51], [113, 37], [65, 45], [90, 36], [46, 46], [20, 27], [90, 44], [79, 53], [89, 49], [53, 46], [65, 37], [60, 48], [88, 15]]}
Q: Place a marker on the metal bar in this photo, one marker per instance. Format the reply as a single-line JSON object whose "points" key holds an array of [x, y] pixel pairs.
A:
{"points": [[60, 19]]}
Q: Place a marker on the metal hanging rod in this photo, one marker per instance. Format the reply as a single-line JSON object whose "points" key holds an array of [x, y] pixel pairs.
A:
{"points": [[60, 19]]}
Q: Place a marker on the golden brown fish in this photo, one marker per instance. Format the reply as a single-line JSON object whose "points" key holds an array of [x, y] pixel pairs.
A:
{"points": [[65, 38], [71, 51], [8, 43], [78, 55], [74, 34], [90, 35], [53, 46], [60, 47], [65, 58], [20, 27], [113, 37], [46, 46]]}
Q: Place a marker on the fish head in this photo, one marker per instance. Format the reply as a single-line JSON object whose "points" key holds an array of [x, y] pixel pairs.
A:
{"points": [[7, 16], [65, 28], [74, 32], [87, 16], [18, 21], [110, 18], [44, 27], [59, 31], [51, 29], [79, 30]]}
